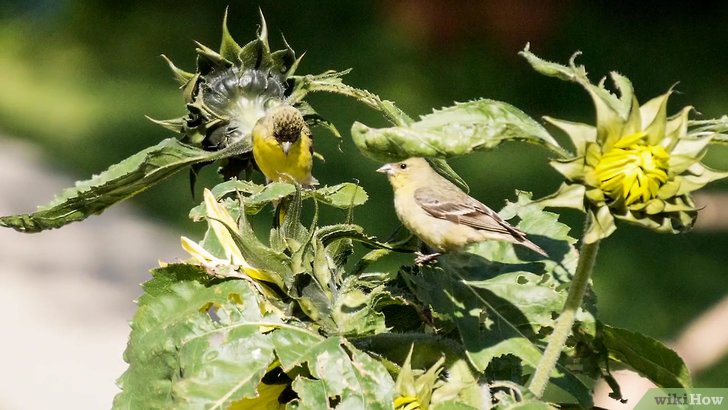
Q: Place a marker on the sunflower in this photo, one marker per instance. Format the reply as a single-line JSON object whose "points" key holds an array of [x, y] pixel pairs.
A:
{"points": [[637, 164]]}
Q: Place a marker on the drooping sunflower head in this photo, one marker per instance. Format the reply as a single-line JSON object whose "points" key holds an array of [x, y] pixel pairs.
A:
{"points": [[232, 89], [636, 164]]}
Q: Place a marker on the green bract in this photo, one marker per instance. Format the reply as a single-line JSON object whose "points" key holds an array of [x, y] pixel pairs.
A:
{"points": [[232, 89], [637, 164]]}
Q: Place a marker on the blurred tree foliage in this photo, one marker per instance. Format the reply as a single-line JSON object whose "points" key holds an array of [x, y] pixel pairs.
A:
{"points": [[80, 75]]}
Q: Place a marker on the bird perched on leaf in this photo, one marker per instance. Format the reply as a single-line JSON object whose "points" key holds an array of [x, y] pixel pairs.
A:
{"points": [[283, 147], [444, 217]]}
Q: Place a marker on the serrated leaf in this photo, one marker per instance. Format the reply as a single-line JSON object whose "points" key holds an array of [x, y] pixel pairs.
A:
{"points": [[359, 381], [331, 82], [552, 69], [330, 233], [453, 131], [567, 196], [119, 182], [311, 395], [358, 310], [647, 356], [343, 195], [195, 342]]}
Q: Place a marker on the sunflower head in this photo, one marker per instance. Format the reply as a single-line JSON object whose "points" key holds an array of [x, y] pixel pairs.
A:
{"points": [[232, 89], [632, 171], [637, 164]]}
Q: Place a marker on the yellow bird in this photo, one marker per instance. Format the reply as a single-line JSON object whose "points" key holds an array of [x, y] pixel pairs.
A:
{"points": [[283, 147], [444, 217]]}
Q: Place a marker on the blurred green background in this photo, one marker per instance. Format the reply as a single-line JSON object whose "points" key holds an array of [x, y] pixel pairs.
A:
{"points": [[79, 76]]}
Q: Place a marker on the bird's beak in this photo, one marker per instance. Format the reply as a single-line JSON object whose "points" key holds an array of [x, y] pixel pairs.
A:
{"points": [[286, 146], [386, 169]]}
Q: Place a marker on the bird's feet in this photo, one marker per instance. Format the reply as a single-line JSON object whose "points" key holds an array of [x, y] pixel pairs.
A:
{"points": [[422, 258]]}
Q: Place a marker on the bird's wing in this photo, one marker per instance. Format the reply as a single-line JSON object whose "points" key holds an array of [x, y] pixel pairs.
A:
{"points": [[465, 210]]}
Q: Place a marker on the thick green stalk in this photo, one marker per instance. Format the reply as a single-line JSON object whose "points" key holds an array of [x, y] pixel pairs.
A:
{"points": [[566, 320]]}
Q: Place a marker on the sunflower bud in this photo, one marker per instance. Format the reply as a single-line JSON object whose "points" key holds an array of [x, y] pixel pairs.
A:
{"points": [[637, 164]]}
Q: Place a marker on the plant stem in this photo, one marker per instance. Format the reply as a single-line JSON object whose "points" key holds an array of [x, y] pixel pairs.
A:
{"points": [[566, 320]]}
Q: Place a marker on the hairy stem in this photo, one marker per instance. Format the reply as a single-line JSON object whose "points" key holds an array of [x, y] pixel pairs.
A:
{"points": [[566, 320]]}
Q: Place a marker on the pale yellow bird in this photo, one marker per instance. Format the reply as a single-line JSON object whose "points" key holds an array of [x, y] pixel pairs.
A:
{"points": [[443, 216]]}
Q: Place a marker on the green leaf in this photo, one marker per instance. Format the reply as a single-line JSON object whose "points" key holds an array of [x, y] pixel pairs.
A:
{"points": [[647, 356], [452, 405], [453, 131], [359, 381], [529, 405], [331, 233], [552, 69], [567, 196], [341, 196], [195, 342], [119, 182], [443, 168], [467, 307], [256, 197], [311, 394], [358, 311], [599, 225], [258, 254], [271, 193], [500, 302]]}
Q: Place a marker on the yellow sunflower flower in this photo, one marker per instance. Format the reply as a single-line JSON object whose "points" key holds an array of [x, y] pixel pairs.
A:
{"points": [[273, 392], [415, 387], [637, 164]]}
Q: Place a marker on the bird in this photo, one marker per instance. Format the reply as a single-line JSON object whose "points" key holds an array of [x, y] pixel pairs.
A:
{"points": [[443, 216], [283, 146]]}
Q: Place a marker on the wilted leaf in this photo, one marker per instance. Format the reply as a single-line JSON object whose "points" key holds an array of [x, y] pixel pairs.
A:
{"points": [[119, 182]]}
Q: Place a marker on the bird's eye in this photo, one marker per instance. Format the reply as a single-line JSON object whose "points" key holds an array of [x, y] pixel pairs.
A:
{"points": [[403, 166]]}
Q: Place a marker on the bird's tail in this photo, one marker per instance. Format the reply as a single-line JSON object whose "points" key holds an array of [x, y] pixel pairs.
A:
{"points": [[532, 246]]}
